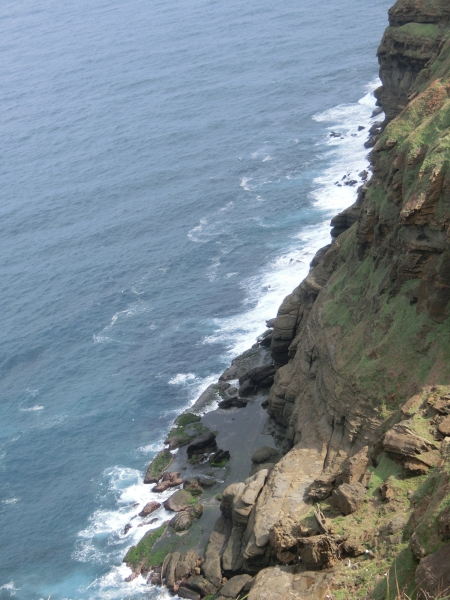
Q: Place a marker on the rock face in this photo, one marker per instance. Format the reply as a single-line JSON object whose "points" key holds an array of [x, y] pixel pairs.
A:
{"points": [[433, 574]]}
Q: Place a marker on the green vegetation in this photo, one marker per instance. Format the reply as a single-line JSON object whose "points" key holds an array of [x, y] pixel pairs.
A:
{"points": [[183, 434], [159, 464], [140, 554], [187, 419]]}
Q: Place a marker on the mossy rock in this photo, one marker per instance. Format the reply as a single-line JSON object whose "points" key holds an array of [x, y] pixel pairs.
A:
{"points": [[187, 419], [158, 465], [181, 435], [138, 556]]}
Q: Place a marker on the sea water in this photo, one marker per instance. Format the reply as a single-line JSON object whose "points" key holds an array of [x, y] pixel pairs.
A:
{"points": [[167, 175]]}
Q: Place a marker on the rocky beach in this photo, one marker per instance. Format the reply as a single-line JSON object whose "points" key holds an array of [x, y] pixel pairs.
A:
{"points": [[318, 465]]}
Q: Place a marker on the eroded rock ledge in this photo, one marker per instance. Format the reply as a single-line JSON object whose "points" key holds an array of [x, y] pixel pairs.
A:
{"points": [[355, 374]]}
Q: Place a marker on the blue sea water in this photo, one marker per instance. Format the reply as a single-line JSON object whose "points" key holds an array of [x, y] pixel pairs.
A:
{"points": [[167, 174]]}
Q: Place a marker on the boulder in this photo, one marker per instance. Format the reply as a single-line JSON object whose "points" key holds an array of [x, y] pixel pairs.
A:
{"points": [[180, 500], [219, 457], [149, 508], [232, 403], [397, 524], [199, 584], [235, 585], [433, 574], [348, 497], [318, 551], [444, 426], [283, 538], [127, 528], [247, 388], [168, 569], [264, 454], [443, 405], [321, 487], [192, 485], [402, 440], [182, 521], [387, 491], [186, 565], [281, 583], [155, 576], [211, 565], [185, 592]]}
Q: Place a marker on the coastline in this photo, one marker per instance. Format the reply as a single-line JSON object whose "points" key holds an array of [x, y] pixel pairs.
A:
{"points": [[242, 428]]}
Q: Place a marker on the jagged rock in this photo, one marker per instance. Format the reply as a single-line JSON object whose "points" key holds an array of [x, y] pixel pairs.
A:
{"points": [[416, 466], [235, 585], [155, 470], [206, 440], [321, 488], [354, 469], [348, 497], [318, 551], [200, 585], [433, 574], [127, 528], [131, 577], [283, 538], [149, 508], [219, 457], [180, 500], [403, 441]]}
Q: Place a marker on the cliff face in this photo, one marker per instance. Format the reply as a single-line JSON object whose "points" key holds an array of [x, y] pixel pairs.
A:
{"points": [[416, 30], [361, 394]]}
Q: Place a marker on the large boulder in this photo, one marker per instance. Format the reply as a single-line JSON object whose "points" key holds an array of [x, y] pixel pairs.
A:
{"points": [[354, 469], [280, 583], [201, 443], [266, 454], [348, 497], [235, 585], [200, 585], [179, 501], [149, 508]]}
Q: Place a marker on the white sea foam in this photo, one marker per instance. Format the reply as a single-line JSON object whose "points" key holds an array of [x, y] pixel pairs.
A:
{"points": [[267, 289], [32, 408], [9, 588], [135, 309], [10, 501], [244, 183]]}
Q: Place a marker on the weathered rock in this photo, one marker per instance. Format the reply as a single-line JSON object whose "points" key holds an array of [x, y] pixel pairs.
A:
{"points": [[206, 482], [211, 567], [317, 552], [234, 586], [443, 405], [387, 491], [149, 508], [127, 528], [247, 388], [433, 574], [354, 469], [180, 500], [281, 583], [185, 592], [444, 426], [264, 454], [155, 576], [321, 488], [193, 486], [219, 457], [233, 403], [348, 497], [403, 440], [159, 464], [283, 538], [182, 521], [168, 480], [200, 585], [186, 565], [353, 548], [207, 440], [169, 567]]}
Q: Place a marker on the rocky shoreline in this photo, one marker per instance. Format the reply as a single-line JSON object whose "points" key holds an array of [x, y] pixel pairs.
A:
{"points": [[325, 470]]}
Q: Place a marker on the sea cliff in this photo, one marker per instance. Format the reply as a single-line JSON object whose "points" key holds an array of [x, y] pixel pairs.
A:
{"points": [[344, 490]]}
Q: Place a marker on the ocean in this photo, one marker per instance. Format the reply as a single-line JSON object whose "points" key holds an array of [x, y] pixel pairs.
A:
{"points": [[167, 175]]}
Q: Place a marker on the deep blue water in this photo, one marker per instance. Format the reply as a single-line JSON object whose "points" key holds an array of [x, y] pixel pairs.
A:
{"points": [[166, 175]]}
